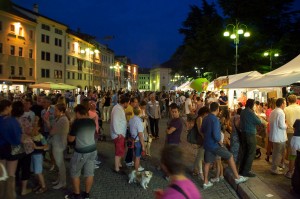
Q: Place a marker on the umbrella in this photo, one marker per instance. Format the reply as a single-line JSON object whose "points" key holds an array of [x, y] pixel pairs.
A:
{"points": [[199, 84], [53, 86]]}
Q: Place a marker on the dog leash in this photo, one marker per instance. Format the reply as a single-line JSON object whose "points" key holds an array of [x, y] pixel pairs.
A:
{"points": [[177, 188]]}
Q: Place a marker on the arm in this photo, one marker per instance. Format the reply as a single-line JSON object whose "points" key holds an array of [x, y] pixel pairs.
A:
{"points": [[281, 122], [216, 130], [170, 130], [141, 137]]}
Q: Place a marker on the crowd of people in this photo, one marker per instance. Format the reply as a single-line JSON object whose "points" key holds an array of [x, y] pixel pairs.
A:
{"points": [[39, 127]]}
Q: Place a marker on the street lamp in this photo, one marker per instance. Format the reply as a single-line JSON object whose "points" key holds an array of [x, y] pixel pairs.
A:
{"points": [[237, 30], [198, 70], [271, 53], [117, 68], [91, 55]]}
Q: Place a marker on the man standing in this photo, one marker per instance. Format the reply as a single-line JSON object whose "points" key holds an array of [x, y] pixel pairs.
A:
{"points": [[175, 126], [277, 134], [188, 105], [47, 114], [292, 113], [153, 111], [82, 130], [213, 147], [118, 126], [223, 99], [136, 132], [248, 123]]}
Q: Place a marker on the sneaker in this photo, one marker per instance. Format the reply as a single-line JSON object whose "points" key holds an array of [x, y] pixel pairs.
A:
{"points": [[288, 174], [55, 182], [221, 178], [73, 196], [241, 180], [130, 164], [96, 166], [141, 168], [167, 178], [206, 186], [85, 195], [97, 162], [213, 180], [276, 172], [282, 166]]}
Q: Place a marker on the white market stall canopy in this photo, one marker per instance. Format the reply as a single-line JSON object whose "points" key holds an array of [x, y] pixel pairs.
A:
{"points": [[280, 77], [53, 86]]}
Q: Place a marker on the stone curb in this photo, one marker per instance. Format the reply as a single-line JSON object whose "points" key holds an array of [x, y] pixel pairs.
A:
{"points": [[254, 188]]}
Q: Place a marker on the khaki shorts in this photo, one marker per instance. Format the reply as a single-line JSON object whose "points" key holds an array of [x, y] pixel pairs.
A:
{"points": [[85, 161]]}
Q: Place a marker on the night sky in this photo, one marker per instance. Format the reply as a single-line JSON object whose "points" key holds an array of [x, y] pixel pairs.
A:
{"points": [[146, 31]]}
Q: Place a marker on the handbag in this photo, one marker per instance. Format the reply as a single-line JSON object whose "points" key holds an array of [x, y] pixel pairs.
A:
{"points": [[130, 142], [194, 137]]}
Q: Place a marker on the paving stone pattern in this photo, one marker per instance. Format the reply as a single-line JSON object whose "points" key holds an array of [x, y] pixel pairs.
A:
{"points": [[108, 184]]}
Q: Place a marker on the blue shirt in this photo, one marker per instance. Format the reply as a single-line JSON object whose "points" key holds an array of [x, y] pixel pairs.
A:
{"points": [[212, 132], [136, 126], [249, 121], [10, 131]]}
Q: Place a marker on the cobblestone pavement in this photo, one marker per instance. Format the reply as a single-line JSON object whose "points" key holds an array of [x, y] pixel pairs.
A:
{"points": [[108, 184]]}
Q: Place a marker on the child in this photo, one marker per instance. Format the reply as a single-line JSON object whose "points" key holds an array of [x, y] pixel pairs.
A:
{"points": [[40, 144]]}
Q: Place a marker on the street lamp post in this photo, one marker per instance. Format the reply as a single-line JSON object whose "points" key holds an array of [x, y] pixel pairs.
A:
{"points": [[271, 54], [237, 30], [198, 70], [117, 69]]}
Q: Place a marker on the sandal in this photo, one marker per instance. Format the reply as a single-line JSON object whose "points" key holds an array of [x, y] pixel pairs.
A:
{"points": [[41, 190]]}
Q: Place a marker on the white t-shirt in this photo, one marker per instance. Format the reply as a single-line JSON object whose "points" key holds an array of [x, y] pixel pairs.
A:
{"points": [[78, 98], [30, 116], [188, 102]]}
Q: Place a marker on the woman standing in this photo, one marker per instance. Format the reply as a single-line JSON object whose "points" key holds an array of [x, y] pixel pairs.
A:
{"points": [[59, 133], [10, 135], [106, 107], [235, 138]]}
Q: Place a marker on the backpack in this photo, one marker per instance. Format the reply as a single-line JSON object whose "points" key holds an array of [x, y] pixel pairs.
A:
{"points": [[194, 137]]}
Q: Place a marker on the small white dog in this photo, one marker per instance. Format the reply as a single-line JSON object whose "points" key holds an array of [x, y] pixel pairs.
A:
{"points": [[143, 178], [148, 144]]}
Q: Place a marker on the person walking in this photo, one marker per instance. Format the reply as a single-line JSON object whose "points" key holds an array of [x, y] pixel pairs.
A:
{"points": [[278, 134]]}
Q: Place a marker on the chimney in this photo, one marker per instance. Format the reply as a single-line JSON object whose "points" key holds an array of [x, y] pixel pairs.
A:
{"points": [[36, 8]]}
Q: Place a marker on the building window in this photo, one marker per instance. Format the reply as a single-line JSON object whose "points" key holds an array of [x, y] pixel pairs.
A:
{"points": [[0, 25], [12, 70], [73, 61], [73, 75], [45, 27], [57, 42], [79, 64], [20, 71], [45, 73], [31, 53], [12, 50], [57, 31], [30, 72], [58, 58], [1, 48], [68, 45], [68, 60], [21, 31], [31, 36], [79, 76], [20, 51], [1, 69], [45, 56], [84, 76], [69, 75], [45, 38], [57, 74]]}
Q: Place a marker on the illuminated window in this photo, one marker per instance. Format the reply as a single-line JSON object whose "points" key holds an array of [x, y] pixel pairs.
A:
{"points": [[21, 31], [12, 28], [57, 74]]}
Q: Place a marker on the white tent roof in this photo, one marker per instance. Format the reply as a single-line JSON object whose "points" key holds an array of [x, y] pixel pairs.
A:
{"points": [[235, 77], [283, 76]]}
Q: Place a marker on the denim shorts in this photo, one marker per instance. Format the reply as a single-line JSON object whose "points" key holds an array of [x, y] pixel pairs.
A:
{"points": [[37, 163], [138, 149], [85, 161], [210, 155]]}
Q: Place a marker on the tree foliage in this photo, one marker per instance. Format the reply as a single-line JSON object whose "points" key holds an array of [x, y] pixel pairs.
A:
{"points": [[273, 26]]}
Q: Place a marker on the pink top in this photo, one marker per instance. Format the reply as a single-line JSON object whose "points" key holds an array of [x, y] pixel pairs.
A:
{"points": [[268, 113], [187, 186]]}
